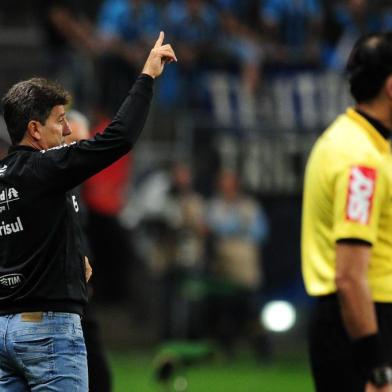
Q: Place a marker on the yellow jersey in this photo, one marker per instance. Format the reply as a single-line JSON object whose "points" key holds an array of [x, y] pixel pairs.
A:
{"points": [[348, 195]]}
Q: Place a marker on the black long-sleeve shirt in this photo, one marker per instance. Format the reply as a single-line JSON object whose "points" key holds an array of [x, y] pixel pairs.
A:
{"points": [[42, 264]]}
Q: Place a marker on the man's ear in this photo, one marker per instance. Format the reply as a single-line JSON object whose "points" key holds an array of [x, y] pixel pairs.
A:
{"points": [[33, 129], [388, 87]]}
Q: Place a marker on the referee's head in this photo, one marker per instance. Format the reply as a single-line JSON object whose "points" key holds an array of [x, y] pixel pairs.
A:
{"points": [[369, 67]]}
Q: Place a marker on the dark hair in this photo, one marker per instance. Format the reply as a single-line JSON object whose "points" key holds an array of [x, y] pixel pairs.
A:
{"points": [[369, 65], [31, 99]]}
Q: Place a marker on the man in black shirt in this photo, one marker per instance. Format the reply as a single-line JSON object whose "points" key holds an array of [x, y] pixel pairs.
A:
{"points": [[43, 264]]}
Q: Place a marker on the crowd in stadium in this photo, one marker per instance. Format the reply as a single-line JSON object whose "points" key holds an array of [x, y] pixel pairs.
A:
{"points": [[246, 38]]}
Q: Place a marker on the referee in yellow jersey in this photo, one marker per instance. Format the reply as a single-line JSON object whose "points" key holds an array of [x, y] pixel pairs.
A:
{"points": [[347, 232]]}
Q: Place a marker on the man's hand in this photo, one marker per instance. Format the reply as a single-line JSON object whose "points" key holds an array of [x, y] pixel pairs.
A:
{"points": [[159, 56], [89, 270]]}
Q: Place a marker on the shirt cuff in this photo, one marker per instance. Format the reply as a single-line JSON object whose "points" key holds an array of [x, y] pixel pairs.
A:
{"points": [[147, 78]]}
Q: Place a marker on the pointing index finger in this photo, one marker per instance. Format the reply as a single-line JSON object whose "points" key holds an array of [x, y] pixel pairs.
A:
{"points": [[160, 39]]}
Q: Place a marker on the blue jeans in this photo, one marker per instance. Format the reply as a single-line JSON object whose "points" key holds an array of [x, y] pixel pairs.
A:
{"points": [[42, 352]]}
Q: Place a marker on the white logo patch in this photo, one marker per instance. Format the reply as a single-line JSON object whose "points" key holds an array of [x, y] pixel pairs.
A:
{"points": [[7, 196], [2, 170], [11, 281], [75, 203]]}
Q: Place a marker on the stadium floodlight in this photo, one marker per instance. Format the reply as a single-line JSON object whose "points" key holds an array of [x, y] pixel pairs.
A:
{"points": [[278, 316]]}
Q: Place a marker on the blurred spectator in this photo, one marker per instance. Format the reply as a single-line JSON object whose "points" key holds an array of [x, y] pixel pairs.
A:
{"points": [[192, 24], [179, 253], [183, 212], [126, 28], [79, 125], [386, 14], [192, 27], [99, 373], [240, 40], [71, 46], [243, 10], [353, 18], [105, 195], [134, 22], [239, 227], [293, 32]]}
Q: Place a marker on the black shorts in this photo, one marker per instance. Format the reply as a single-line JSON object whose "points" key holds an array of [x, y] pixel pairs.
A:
{"points": [[333, 363]]}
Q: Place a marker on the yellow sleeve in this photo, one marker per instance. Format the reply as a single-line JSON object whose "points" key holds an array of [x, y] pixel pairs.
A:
{"points": [[360, 191]]}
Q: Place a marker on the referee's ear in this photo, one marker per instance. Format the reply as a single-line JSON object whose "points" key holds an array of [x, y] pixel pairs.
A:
{"points": [[388, 87], [33, 130]]}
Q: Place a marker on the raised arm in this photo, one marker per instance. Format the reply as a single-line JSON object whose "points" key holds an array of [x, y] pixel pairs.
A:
{"points": [[65, 167]]}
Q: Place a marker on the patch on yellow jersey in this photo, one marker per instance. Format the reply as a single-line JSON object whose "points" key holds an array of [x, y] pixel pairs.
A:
{"points": [[361, 187]]}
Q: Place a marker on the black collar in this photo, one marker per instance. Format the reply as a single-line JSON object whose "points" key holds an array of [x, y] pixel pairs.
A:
{"points": [[18, 147], [385, 132]]}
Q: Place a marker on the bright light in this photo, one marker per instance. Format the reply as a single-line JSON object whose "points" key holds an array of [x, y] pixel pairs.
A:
{"points": [[278, 316], [180, 384]]}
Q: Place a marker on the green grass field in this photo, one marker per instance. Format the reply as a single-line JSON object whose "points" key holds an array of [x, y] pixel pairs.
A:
{"points": [[133, 372]]}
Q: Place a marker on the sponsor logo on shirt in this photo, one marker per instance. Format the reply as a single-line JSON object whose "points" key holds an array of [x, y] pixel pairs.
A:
{"points": [[10, 228], [2, 170], [11, 281], [7, 196], [361, 189]]}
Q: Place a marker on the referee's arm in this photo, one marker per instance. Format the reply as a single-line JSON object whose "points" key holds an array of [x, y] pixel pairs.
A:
{"points": [[357, 307]]}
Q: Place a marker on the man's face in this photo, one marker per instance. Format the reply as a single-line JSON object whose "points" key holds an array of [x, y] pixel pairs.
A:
{"points": [[55, 128]]}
